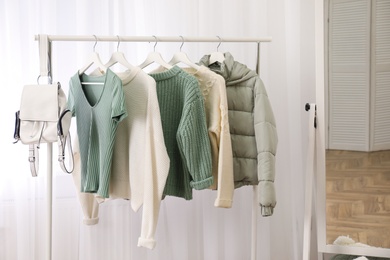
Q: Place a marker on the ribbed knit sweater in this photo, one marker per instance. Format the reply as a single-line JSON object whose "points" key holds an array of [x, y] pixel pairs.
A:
{"points": [[185, 132], [213, 89], [98, 110]]}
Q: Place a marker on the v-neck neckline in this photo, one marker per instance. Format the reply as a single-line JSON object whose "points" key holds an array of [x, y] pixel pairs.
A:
{"points": [[101, 93]]}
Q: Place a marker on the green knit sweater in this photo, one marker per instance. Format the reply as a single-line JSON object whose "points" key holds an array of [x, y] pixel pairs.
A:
{"points": [[185, 132]]}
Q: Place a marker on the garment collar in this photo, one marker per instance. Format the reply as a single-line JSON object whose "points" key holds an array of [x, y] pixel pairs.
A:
{"points": [[234, 72], [224, 68], [163, 75], [125, 76]]}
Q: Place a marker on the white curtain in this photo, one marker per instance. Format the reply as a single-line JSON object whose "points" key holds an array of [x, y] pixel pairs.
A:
{"points": [[191, 230]]}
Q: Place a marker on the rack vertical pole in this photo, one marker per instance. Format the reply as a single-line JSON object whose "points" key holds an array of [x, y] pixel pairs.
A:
{"points": [[255, 200], [49, 205], [254, 223], [45, 70], [50, 181]]}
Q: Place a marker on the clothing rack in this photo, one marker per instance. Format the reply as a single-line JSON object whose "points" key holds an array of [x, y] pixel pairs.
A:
{"points": [[45, 42], [92, 38]]}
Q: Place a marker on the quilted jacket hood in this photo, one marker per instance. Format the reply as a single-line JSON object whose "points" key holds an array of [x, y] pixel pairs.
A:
{"points": [[233, 72]]}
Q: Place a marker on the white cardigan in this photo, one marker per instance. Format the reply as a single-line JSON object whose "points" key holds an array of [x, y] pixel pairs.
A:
{"points": [[140, 162]]}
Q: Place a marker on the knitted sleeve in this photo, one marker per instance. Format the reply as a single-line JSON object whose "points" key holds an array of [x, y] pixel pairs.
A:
{"points": [[118, 109], [155, 174], [266, 142], [89, 205], [225, 157], [194, 144]]}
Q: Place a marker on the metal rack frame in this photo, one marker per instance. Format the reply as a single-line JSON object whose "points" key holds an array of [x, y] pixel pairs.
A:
{"points": [[45, 43]]}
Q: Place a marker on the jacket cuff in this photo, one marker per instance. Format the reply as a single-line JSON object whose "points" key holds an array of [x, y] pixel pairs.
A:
{"points": [[203, 184], [219, 203], [267, 197], [148, 243], [266, 211], [90, 221]]}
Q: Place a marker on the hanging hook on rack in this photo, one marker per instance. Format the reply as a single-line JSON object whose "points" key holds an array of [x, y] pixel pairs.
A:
{"points": [[96, 40], [217, 56], [94, 59], [154, 57], [220, 41], [182, 42], [119, 41], [154, 47]]}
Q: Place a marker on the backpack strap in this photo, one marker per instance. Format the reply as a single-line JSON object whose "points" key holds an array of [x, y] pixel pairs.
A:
{"points": [[63, 143], [64, 140], [33, 158]]}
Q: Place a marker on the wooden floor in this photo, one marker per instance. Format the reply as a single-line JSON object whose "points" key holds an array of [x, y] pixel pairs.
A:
{"points": [[358, 196]]}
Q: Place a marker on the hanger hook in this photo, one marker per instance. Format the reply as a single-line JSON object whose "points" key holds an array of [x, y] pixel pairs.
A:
{"points": [[119, 41], [96, 40], [220, 41], [182, 41], [154, 47]]}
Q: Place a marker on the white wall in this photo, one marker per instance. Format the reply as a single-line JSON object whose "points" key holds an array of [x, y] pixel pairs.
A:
{"points": [[187, 230]]}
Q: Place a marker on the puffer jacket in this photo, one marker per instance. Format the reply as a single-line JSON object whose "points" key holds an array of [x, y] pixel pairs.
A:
{"points": [[252, 129]]}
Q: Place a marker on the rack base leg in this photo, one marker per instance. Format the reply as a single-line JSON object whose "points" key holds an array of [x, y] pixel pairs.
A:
{"points": [[49, 198], [255, 209]]}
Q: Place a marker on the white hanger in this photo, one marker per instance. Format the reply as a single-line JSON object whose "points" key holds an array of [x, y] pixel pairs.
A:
{"points": [[182, 57], [217, 56], [119, 57], [94, 59], [154, 57]]}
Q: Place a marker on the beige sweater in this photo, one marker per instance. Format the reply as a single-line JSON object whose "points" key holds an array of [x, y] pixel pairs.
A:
{"points": [[140, 162]]}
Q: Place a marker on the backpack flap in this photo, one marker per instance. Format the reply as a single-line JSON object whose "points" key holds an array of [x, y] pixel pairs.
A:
{"points": [[39, 114]]}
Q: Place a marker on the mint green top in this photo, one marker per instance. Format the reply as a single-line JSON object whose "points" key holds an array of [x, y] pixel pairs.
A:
{"points": [[98, 110], [185, 132]]}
